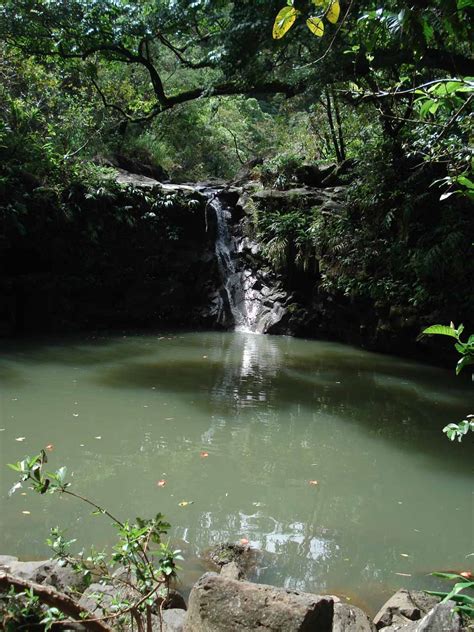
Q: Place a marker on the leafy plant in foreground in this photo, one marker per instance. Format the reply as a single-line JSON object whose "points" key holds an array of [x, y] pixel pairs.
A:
{"points": [[464, 582], [147, 563], [466, 349]]}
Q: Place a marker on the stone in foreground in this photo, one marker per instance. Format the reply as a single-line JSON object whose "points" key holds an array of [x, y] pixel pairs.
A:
{"points": [[218, 604], [403, 607], [350, 619]]}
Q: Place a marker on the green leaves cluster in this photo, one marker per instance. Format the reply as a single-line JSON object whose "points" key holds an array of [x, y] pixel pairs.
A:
{"points": [[466, 349], [460, 593], [148, 561], [286, 17]]}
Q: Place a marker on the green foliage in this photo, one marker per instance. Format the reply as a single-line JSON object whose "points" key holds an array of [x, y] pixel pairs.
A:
{"points": [[148, 561], [460, 593], [329, 9], [466, 350]]}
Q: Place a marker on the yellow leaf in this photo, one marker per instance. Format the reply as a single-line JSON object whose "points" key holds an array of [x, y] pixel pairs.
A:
{"points": [[318, 3], [316, 26], [333, 13], [284, 21], [185, 503]]}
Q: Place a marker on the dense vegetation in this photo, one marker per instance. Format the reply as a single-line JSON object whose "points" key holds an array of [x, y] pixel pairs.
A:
{"points": [[190, 90]]}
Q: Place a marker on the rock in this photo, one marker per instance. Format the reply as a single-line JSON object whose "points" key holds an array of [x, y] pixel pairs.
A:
{"points": [[6, 561], [217, 604], [404, 606], [244, 558], [173, 620], [441, 618], [351, 619], [232, 571], [174, 601], [48, 572], [313, 175]]}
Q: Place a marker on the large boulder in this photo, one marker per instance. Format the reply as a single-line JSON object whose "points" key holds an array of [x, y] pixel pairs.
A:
{"points": [[217, 604]]}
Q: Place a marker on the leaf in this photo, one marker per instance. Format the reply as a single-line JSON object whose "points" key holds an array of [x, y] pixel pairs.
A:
{"points": [[313, 483], [185, 503], [284, 21], [316, 26], [442, 330], [161, 483], [333, 12]]}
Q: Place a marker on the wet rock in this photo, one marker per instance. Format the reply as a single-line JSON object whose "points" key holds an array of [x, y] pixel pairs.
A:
{"points": [[243, 558], [49, 572], [217, 604], [351, 619], [404, 606]]}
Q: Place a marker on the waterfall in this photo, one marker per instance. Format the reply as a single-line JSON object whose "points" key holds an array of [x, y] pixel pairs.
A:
{"points": [[250, 299], [231, 278]]}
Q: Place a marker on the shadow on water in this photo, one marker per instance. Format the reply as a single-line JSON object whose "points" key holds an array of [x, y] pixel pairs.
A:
{"points": [[228, 375], [88, 350]]}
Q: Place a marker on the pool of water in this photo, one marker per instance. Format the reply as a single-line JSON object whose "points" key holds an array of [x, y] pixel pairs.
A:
{"points": [[393, 499]]}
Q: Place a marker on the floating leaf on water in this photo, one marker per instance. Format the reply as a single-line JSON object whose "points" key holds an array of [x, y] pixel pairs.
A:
{"points": [[169, 418], [185, 503], [99, 437], [20, 438], [50, 447], [204, 455], [161, 483], [404, 574], [27, 513], [75, 414], [204, 356], [313, 482], [404, 554]]}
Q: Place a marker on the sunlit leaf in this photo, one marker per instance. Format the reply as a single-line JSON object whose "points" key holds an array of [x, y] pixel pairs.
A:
{"points": [[284, 21], [442, 330], [333, 12], [316, 26]]}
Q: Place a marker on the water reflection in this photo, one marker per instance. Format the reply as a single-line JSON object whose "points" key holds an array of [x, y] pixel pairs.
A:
{"points": [[273, 414]]}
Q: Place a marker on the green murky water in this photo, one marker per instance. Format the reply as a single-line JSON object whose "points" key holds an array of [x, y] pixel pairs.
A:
{"points": [[393, 500]]}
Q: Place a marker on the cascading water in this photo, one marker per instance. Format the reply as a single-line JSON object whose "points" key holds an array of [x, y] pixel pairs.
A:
{"points": [[249, 300], [231, 278]]}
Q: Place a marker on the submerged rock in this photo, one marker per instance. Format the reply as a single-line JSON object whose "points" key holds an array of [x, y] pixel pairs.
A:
{"points": [[217, 604], [235, 560]]}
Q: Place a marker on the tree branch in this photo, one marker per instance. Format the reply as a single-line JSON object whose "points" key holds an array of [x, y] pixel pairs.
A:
{"points": [[55, 599]]}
